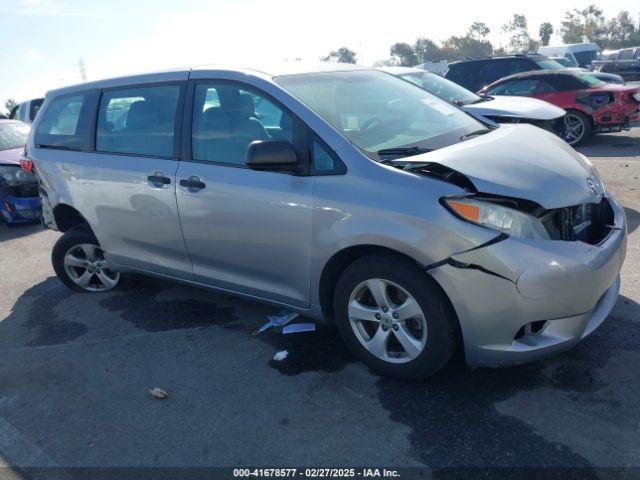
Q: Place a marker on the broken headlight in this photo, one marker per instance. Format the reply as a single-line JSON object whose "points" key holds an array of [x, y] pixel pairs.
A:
{"points": [[14, 175], [497, 217]]}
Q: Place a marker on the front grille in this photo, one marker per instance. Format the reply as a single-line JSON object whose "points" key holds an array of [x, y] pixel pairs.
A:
{"points": [[590, 222]]}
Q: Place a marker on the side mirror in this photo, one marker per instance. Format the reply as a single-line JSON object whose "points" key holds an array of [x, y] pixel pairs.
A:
{"points": [[272, 155]]}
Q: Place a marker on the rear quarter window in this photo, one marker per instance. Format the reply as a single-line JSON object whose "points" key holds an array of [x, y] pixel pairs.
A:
{"points": [[67, 122]]}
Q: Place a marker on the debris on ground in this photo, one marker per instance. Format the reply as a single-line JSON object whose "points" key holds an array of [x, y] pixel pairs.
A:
{"points": [[282, 318], [299, 327], [278, 357], [158, 393]]}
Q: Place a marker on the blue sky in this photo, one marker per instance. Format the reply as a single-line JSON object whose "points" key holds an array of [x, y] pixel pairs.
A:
{"points": [[42, 40]]}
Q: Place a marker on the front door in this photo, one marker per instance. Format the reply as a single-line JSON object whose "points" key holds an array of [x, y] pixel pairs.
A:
{"points": [[246, 231]]}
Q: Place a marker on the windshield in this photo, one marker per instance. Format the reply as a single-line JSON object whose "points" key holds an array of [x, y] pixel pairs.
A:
{"points": [[13, 135], [442, 88], [590, 80], [548, 64], [378, 111]]}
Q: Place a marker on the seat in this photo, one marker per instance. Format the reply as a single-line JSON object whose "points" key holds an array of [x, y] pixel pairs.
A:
{"points": [[245, 126], [213, 139]]}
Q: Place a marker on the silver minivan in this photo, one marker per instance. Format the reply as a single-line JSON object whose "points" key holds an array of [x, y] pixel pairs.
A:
{"points": [[343, 193]]}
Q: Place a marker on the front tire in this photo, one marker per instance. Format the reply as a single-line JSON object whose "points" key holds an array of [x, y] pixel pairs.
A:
{"points": [[394, 317], [577, 127], [80, 263]]}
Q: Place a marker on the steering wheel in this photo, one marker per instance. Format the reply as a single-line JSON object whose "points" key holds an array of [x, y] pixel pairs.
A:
{"points": [[371, 123]]}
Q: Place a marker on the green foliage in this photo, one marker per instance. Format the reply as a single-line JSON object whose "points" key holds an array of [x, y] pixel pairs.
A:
{"points": [[404, 53], [9, 104], [520, 41], [620, 32], [583, 25], [545, 32], [342, 55]]}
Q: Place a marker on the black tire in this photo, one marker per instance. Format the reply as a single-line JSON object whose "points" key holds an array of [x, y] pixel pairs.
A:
{"points": [[587, 127], [80, 234], [441, 321]]}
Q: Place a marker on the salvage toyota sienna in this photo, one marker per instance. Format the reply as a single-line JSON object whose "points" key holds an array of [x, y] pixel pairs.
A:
{"points": [[340, 192]]}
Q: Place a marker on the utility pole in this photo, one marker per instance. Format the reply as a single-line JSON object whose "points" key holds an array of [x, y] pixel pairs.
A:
{"points": [[83, 70]]}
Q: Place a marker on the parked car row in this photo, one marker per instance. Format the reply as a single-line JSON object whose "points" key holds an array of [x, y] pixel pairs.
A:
{"points": [[343, 193], [595, 102], [501, 109], [592, 106]]}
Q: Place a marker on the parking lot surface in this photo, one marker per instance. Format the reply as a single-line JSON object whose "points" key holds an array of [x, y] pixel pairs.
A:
{"points": [[76, 369]]}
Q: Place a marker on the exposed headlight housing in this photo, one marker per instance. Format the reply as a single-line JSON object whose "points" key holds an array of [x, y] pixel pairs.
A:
{"points": [[497, 217], [637, 96], [14, 175]]}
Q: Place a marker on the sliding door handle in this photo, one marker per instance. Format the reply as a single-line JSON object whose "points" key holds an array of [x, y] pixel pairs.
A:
{"points": [[159, 179]]}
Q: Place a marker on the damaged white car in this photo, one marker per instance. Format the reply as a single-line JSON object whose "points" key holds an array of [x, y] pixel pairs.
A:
{"points": [[500, 109]]}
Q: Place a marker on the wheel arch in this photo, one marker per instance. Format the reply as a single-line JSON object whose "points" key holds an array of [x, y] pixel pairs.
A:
{"points": [[340, 260], [67, 217]]}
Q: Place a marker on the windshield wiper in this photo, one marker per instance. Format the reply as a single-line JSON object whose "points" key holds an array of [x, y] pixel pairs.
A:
{"points": [[403, 151], [483, 98], [475, 133]]}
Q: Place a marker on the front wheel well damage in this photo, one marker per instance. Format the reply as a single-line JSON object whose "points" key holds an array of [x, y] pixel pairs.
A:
{"points": [[342, 259], [67, 217]]}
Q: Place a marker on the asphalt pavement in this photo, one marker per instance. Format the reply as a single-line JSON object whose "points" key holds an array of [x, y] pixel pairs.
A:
{"points": [[76, 369]]}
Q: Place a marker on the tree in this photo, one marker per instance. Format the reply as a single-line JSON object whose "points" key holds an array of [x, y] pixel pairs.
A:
{"points": [[404, 53], [342, 55], [426, 50], [466, 47], [620, 32], [580, 25], [520, 41], [546, 30], [478, 31], [10, 104]]}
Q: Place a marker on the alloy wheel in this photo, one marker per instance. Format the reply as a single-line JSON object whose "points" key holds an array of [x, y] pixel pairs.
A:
{"points": [[86, 266], [387, 320], [574, 129]]}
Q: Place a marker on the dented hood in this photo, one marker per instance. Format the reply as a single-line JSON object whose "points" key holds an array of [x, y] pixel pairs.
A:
{"points": [[516, 107], [522, 161]]}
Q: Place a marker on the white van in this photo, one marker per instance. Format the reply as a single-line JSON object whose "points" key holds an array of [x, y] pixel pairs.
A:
{"points": [[581, 53]]}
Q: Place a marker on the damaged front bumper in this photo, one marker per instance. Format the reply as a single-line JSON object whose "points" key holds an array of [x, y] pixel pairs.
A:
{"points": [[518, 300]]}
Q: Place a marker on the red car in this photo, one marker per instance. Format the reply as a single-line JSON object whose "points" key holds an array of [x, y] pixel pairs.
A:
{"points": [[592, 105]]}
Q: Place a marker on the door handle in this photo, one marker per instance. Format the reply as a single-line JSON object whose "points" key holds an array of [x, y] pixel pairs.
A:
{"points": [[158, 178], [193, 182]]}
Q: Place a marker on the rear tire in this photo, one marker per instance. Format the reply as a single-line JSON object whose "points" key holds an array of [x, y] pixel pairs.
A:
{"points": [[399, 339], [80, 263], [577, 128]]}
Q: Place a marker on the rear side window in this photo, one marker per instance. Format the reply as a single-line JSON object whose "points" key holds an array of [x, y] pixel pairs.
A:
{"points": [[67, 122], [464, 74], [138, 121], [493, 70], [523, 87], [34, 108], [626, 55]]}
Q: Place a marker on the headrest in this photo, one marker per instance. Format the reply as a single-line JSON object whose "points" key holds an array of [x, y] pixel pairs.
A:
{"points": [[243, 107], [141, 114], [215, 119]]}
